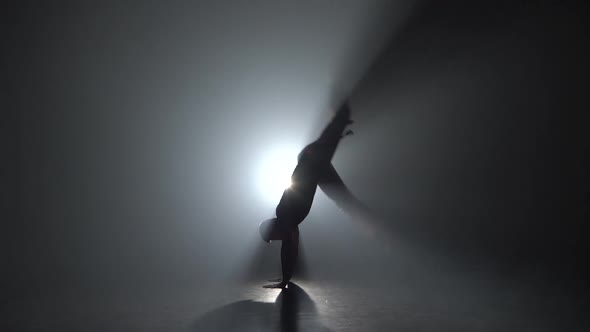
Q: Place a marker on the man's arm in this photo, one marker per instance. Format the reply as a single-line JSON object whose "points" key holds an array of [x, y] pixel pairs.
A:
{"points": [[289, 252]]}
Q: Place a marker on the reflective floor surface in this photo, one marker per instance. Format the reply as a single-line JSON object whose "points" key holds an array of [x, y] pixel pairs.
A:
{"points": [[304, 306]]}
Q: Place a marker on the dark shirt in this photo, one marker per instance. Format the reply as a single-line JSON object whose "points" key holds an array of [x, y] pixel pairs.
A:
{"points": [[297, 199]]}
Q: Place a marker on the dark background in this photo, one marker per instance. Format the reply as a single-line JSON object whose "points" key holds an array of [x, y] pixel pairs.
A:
{"points": [[131, 133]]}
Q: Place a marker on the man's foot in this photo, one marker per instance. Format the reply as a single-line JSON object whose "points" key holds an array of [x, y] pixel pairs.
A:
{"points": [[348, 132], [276, 279]]}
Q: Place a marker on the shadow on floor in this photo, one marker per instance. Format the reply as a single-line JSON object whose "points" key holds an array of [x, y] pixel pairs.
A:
{"points": [[292, 311]]}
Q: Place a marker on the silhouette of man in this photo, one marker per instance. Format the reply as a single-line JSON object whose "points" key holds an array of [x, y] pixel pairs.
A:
{"points": [[313, 168]]}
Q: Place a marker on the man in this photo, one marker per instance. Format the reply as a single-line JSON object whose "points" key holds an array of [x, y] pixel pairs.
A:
{"points": [[314, 168]]}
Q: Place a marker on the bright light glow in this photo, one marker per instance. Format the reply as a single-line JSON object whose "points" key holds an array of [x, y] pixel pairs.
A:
{"points": [[274, 173]]}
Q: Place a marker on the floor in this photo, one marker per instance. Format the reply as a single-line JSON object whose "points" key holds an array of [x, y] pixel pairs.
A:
{"points": [[306, 305]]}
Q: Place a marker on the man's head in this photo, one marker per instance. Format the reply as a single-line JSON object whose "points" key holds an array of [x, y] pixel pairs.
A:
{"points": [[269, 230]]}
